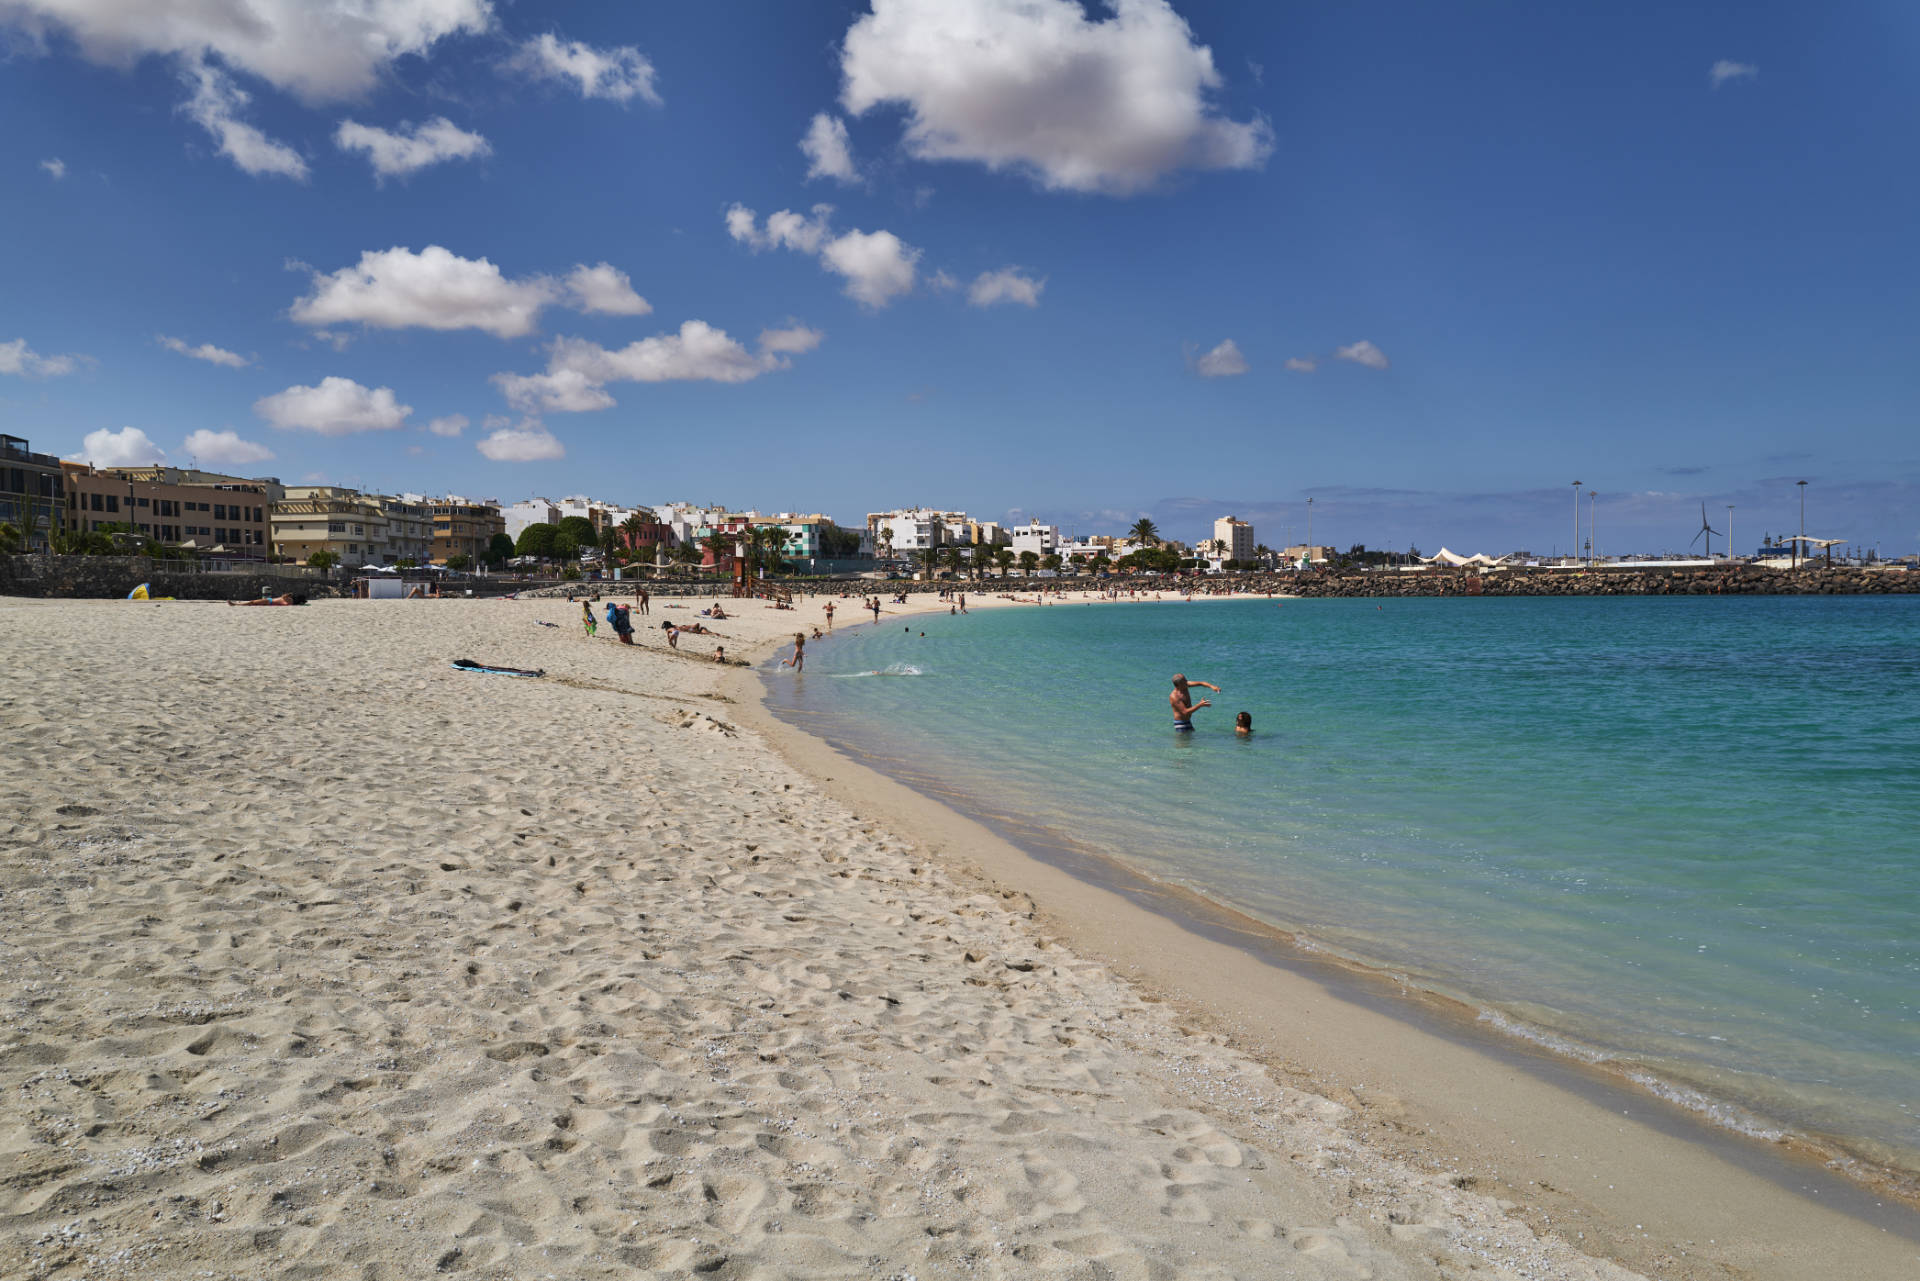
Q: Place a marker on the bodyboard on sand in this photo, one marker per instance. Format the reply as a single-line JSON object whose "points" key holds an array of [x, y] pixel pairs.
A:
{"points": [[468, 665]]}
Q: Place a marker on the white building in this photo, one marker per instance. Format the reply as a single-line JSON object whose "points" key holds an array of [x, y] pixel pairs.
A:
{"points": [[1236, 535], [914, 529], [1041, 540], [529, 511]]}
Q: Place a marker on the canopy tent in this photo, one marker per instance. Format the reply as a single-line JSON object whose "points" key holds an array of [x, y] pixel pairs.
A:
{"points": [[1445, 557]]}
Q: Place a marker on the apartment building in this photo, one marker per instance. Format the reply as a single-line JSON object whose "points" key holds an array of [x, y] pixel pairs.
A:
{"points": [[1237, 538], [33, 491], [207, 511], [464, 527], [914, 529], [802, 531], [329, 518], [408, 531], [529, 511], [1041, 540]]}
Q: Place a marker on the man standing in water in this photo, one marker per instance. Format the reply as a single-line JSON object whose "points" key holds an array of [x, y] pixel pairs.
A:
{"points": [[1182, 701]]}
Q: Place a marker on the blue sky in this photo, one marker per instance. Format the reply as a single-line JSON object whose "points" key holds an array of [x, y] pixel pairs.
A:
{"points": [[1664, 250]]}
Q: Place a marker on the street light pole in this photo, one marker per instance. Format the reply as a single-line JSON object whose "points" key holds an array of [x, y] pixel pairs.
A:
{"points": [[1800, 542], [1573, 552], [1590, 497], [1730, 551], [1310, 533]]}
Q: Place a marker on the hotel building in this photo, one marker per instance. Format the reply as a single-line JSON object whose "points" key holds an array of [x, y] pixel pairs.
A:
{"points": [[1236, 535], [32, 492], [206, 511]]}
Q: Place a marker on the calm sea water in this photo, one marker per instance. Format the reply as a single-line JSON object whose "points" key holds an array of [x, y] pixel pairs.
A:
{"points": [[1680, 835]]}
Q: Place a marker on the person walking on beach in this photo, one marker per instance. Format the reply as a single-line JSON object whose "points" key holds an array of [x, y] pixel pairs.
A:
{"points": [[829, 609], [640, 599], [622, 623], [1182, 702], [586, 617], [799, 658]]}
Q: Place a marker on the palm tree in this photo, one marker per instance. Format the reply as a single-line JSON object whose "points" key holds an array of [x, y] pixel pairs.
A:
{"points": [[9, 538], [1144, 532], [952, 557], [1029, 561], [1218, 547], [721, 545], [884, 543], [1003, 557], [1263, 554], [930, 560]]}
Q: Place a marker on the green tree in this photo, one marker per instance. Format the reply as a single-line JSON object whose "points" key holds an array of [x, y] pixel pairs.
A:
{"points": [[459, 561], [537, 540], [10, 538], [611, 544], [570, 571], [950, 556], [1050, 561], [1102, 563], [1029, 561], [684, 554], [323, 559], [565, 547], [838, 543], [584, 534], [1144, 532], [499, 549], [406, 562], [1003, 557], [930, 561], [632, 527]]}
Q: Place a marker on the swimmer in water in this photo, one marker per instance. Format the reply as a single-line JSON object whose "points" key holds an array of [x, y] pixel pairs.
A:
{"points": [[1243, 723], [1181, 700]]}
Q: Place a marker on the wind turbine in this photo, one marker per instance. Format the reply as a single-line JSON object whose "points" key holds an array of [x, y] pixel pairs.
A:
{"points": [[1705, 530]]}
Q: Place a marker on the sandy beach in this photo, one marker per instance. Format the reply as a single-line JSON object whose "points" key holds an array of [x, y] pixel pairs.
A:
{"points": [[323, 959]]}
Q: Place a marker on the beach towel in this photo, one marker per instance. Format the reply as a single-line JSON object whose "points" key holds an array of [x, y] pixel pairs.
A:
{"points": [[468, 665]]}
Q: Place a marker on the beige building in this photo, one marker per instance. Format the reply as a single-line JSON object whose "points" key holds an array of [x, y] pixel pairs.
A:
{"points": [[462, 527], [1236, 536], [329, 518], [227, 515]]}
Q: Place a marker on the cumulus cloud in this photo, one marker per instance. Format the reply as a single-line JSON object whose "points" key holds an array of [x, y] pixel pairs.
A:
{"points": [[527, 443], [877, 265], [215, 105], [337, 407], [1005, 285], [433, 289], [56, 166], [1723, 71], [828, 153], [451, 425], [205, 351], [1034, 86], [128, 447], [396, 154], [318, 52], [1302, 364], [18, 358], [1363, 353], [605, 288], [224, 447], [793, 340], [578, 370], [1224, 361], [617, 74], [784, 229]]}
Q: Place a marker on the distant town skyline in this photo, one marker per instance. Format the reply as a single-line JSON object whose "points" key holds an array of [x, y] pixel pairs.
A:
{"points": [[1426, 268]]}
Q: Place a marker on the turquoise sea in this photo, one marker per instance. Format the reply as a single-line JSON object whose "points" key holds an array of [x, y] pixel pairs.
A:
{"points": [[1680, 837]]}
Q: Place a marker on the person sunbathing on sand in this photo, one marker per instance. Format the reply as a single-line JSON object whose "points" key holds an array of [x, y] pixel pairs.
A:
{"points": [[287, 599]]}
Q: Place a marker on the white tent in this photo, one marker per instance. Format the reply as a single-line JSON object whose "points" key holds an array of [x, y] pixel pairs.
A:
{"points": [[1445, 557]]}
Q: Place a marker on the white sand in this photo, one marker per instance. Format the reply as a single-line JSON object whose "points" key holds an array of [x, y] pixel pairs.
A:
{"points": [[322, 959]]}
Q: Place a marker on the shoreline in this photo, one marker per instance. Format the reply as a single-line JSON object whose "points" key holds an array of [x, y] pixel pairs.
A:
{"points": [[1207, 957]]}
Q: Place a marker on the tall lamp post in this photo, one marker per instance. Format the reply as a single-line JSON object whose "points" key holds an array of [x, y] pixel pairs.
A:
{"points": [[1730, 551], [1799, 542], [1590, 497], [1310, 533], [1573, 553]]}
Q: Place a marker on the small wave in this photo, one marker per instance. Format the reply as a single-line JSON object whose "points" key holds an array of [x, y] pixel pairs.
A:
{"points": [[892, 669]]}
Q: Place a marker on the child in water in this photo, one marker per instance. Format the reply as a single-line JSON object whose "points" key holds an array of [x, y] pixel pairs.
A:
{"points": [[1243, 723]]}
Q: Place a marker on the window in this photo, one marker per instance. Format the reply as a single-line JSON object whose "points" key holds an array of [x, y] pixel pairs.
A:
{"points": [[219, 511], [113, 502], [143, 503], [97, 505], [336, 529]]}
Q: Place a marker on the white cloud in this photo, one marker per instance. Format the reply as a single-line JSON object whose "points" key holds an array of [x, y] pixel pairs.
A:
{"points": [[451, 425], [529, 442], [1302, 364], [1363, 353], [56, 166], [18, 358], [1224, 361], [793, 340], [128, 447], [433, 289], [315, 51], [784, 230], [205, 351], [215, 105], [1034, 86], [618, 74], [942, 281], [578, 370], [337, 407], [828, 153], [224, 447], [878, 267], [1005, 285], [605, 288], [397, 154], [1723, 71]]}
